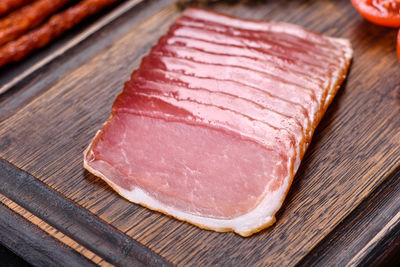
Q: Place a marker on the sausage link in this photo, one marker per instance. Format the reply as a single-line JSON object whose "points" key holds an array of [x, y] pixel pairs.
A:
{"points": [[28, 17], [6, 6], [57, 24]]}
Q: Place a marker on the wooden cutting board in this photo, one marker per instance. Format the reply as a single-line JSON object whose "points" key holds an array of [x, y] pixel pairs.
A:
{"points": [[343, 207]]}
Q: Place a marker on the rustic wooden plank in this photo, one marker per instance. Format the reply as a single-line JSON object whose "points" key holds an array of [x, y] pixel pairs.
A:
{"points": [[353, 151], [70, 219], [371, 254], [366, 237], [34, 245], [50, 230]]}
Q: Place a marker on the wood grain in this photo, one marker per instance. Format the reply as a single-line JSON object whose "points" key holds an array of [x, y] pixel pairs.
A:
{"points": [[33, 219], [36, 246], [354, 149], [362, 231], [72, 220]]}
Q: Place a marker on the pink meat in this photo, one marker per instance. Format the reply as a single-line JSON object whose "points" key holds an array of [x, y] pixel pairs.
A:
{"points": [[272, 70], [251, 94], [276, 37], [301, 96], [297, 53], [275, 73], [153, 154], [264, 26], [141, 104], [307, 72], [213, 125], [253, 111]]}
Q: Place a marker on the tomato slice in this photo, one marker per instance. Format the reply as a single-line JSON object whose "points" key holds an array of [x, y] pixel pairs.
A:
{"points": [[381, 12], [398, 45]]}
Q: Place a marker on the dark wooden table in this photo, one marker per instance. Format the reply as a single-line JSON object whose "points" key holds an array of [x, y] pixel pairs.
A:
{"points": [[343, 207]]}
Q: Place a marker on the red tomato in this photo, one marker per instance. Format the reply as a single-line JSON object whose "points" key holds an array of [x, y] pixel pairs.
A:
{"points": [[398, 45], [381, 12]]}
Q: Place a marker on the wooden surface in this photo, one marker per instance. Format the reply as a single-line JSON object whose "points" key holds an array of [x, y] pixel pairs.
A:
{"points": [[351, 166]]}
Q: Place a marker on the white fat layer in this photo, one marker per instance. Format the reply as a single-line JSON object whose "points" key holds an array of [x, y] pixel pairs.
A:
{"points": [[244, 225], [345, 45]]}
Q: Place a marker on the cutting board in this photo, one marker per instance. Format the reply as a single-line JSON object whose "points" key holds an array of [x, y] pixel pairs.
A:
{"points": [[343, 206]]}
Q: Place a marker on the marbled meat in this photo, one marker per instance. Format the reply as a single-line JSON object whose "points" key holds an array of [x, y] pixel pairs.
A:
{"points": [[212, 127]]}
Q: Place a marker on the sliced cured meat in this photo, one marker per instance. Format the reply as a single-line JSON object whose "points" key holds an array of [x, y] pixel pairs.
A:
{"points": [[302, 96], [268, 26], [274, 36], [137, 152], [302, 55], [282, 61], [213, 125], [145, 171], [137, 103], [238, 61], [332, 44], [251, 94], [271, 71], [242, 106]]}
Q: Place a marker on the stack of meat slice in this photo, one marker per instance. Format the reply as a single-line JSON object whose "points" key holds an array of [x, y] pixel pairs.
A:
{"points": [[213, 125]]}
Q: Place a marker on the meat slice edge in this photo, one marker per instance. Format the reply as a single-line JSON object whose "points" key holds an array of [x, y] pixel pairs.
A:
{"points": [[329, 51], [262, 208], [254, 95], [256, 112], [266, 135], [302, 96], [281, 27]]}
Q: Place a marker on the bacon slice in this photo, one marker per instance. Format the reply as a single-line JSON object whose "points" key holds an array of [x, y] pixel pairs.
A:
{"points": [[279, 88], [212, 127], [251, 94], [334, 45]]}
